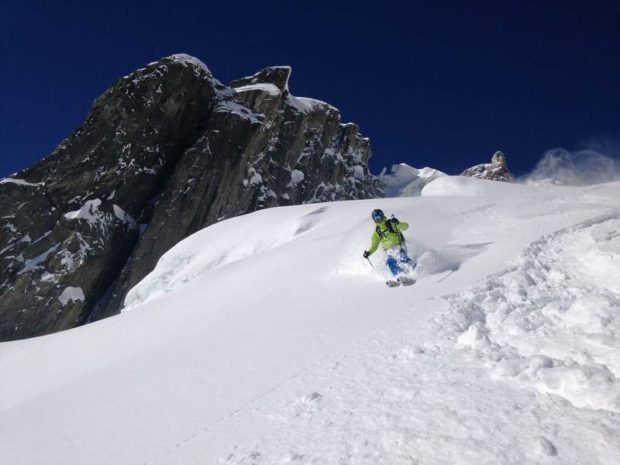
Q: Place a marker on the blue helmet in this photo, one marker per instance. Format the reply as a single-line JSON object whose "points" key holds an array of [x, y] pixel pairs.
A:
{"points": [[378, 215]]}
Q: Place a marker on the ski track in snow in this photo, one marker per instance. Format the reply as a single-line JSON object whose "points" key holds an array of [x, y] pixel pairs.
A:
{"points": [[248, 405], [551, 320]]}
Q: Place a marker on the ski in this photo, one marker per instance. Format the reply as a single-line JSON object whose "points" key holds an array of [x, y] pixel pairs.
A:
{"points": [[402, 281], [405, 281]]}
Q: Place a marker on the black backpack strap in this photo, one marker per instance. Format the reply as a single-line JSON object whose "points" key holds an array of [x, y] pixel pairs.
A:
{"points": [[390, 225]]}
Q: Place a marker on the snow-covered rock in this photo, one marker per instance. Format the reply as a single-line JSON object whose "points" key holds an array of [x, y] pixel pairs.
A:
{"points": [[71, 295], [406, 181], [494, 171]]}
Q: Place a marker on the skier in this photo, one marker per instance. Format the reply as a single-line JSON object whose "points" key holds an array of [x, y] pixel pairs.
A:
{"points": [[388, 234]]}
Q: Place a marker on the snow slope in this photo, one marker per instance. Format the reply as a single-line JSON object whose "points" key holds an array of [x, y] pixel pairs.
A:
{"points": [[267, 339]]}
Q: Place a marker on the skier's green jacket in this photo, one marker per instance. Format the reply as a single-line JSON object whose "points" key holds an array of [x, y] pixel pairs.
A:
{"points": [[389, 237]]}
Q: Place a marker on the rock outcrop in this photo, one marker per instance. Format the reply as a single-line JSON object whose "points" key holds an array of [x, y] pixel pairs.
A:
{"points": [[163, 153], [494, 171]]}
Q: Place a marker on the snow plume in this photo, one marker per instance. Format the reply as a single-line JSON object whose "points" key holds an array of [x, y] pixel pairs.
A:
{"points": [[578, 168]]}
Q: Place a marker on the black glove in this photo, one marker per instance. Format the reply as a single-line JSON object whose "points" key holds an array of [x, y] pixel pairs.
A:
{"points": [[366, 254], [395, 220]]}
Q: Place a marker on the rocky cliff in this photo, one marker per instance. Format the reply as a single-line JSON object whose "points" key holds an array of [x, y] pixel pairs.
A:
{"points": [[494, 171], [164, 152]]}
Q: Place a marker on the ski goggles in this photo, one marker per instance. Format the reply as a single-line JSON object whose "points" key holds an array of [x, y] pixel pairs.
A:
{"points": [[378, 217]]}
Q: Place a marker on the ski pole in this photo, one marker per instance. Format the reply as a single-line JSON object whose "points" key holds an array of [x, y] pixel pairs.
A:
{"points": [[371, 265]]}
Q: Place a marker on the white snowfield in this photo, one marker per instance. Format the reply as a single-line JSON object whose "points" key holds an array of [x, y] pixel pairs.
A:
{"points": [[267, 339]]}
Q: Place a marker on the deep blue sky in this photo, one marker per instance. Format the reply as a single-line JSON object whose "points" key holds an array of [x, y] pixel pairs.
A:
{"points": [[433, 83]]}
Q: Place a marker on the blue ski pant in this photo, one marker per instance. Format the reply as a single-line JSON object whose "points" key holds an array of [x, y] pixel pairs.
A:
{"points": [[399, 262]]}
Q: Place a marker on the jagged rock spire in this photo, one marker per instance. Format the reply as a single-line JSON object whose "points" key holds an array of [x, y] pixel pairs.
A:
{"points": [[497, 170]]}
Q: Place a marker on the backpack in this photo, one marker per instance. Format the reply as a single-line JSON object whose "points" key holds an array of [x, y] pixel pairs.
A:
{"points": [[391, 228]]}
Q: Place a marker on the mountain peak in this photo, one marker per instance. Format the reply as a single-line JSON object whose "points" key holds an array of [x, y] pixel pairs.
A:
{"points": [[497, 170], [188, 60], [276, 75], [164, 152]]}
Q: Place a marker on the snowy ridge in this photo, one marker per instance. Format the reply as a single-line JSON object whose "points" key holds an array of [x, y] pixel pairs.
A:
{"points": [[189, 60], [307, 105], [183, 263], [264, 87], [201, 70], [406, 181], [20, 182]]}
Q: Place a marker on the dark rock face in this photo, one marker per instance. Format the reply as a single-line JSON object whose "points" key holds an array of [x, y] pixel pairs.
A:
{"points": [[163, 153], [494, 171]]}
